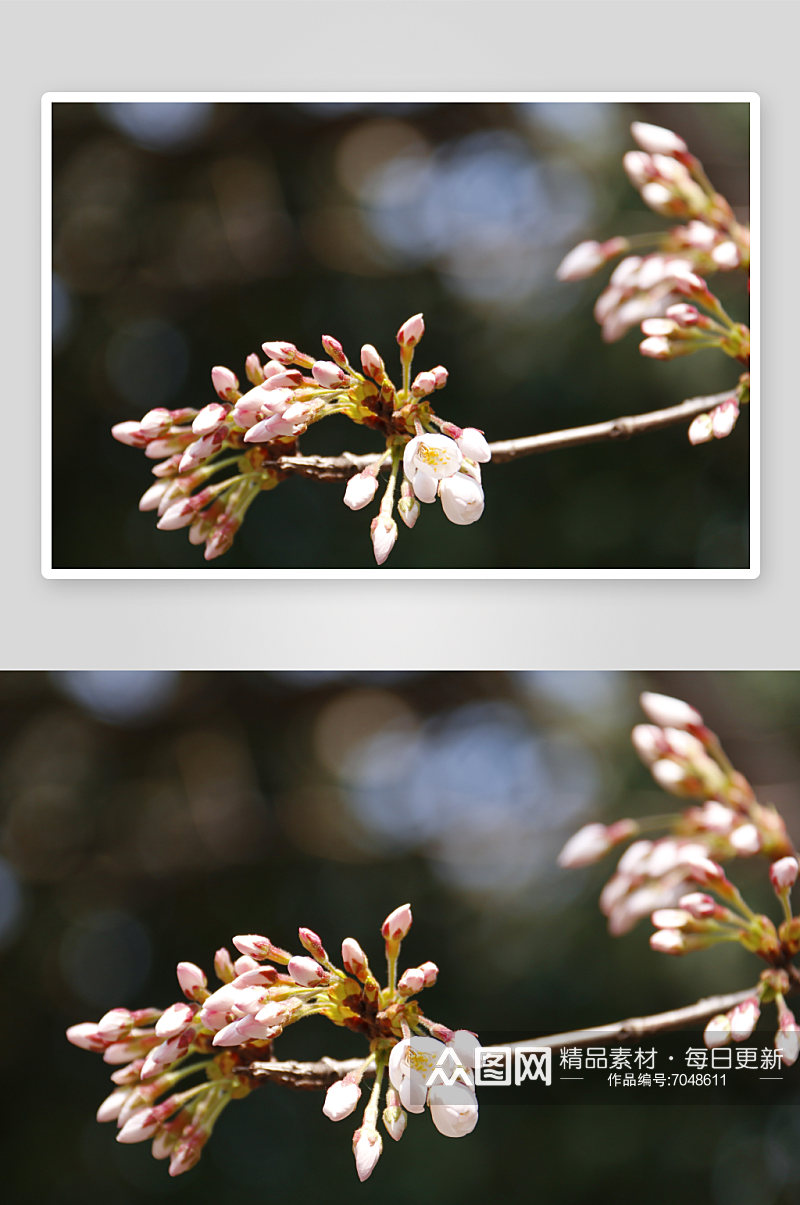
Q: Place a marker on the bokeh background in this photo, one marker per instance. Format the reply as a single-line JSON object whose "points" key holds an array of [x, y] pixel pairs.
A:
{"points": [[185, 235], [147, 817]]}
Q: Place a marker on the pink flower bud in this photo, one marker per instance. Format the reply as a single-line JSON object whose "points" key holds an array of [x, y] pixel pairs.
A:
{"points": [[253, 946], [726, 255], [745, 839], [581, 261], [284, 353], [588, 845], [114, 1024], [639, 167], [699, 906], [667, 941], [180, 514], [223, 965], [397, 923], [473, 445], [129, 433], [225, 382], [156, 423], [670, 918], [423, 384], [87, 1036], [140, 1126], [743, 1018], [684, 314], [783, 874], [411, 981], [411, 331], [151, 499], [372, 363], [657, 140], [462, 499], [329, 375], [431, 973], [306, 972], [210, 418], [341, 1099], [192, 981], [367, 1147], [657, 347], [255, 373], [705, 871], [668, 712], [174, 1020], [659, 326], [245, 964], [787, 1039], [717, 1032], [354, 958], [383, 532], [110, 1108], [288, 378], [312, 942], [360, 490], [723, 418], [440, 376], [701, 429], [335, 350]]}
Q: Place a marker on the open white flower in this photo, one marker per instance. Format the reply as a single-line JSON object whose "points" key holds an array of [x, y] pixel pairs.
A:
{"points": [[428, 459]]}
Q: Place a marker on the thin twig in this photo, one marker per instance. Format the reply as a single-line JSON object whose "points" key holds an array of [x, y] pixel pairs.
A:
{"points": [[338, 468], [325, 1072]]}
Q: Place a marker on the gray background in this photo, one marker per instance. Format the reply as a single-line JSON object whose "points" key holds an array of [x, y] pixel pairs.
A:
{"points": [[441, 45]]}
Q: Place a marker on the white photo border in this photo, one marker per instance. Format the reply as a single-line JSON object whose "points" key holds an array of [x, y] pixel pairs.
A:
{"points": [[51, 98]]}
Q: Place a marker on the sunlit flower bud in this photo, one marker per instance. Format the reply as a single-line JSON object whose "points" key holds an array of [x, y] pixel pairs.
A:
{"points": [[138, 1128], [87, 1036], [667, 941], [151, 499], [639, 167], [335, 350], [440, 376], [246, 963], [698, 905], [473, 445], [395, 1119], [360, 490], [372, 363], [192, 981], [383, 532], [787, 1039], [423, 384], [743, 1018], [723, 418], [367, 1147], [354, 958], [462, 499], [586, 846], [701, 429], [128, 1075], [669, 775], [329, 375], [745, 839], [201, 449], [223, 965], [313, 943], [671, 918], [267, 429], [683, 313], [408, 506], [657, 347], [306, 972], [210, 419], [454, 1110], [657, 140], [157, 448], [583, 260], [114, 1024], [635, 859], [431, 972], [649, 743], [284, 353], [699, 235], [129, 433], [253, 946], [411, 981], [783, 874], [659, 326], [726, 255], [717, 1032], [397, 923], [180, 514], [255, 373], [705, 871], [660, 198], [411, 331], [225, 382], [277, 1012], [110, 1108], [156, 423], [174, 1020], [341, 1099], [668, 712]]}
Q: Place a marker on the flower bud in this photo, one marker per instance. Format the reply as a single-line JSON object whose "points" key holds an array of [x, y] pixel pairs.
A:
{"points": [[110, 1108], [726, 255], [473, 445], [354, 958], [668, 712], [395, 1119], [440, 376], [255, 373], [87, 1036], [156, 423], [372, 363], [431, 972], [699, 906], [360, 490], [129, 433], [423, 384], [341, 1099], [411, 331], [671, 918], [115, 1024], [383, 532], [174, 1020], [743, 1018], [192, 981], [210, 419], [787, 1039], [139, 1127], [411, 981], [639, 168], [581, 261], [313, 943], [397, 923], [745, 839], [723, 418], [462, 499], [254, 946], [667, 941], [223, 965], [225, 382], [683, 313], [656, 347], [701, 429], [367, 1147], [151, 499], [783, 874], [718, 1031], [335, 350], [284, 353], [306, 972], [408, 506], [656, 140], [329, 375], [454, 1110], [588, 845]]}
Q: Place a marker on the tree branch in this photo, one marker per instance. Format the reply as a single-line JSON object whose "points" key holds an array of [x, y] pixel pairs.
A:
{"points": [[339, 468], [325, 1072]]}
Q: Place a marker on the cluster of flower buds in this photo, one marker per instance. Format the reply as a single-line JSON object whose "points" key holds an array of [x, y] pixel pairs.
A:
{"points": [[264, 991], [738, 1024], [723, 820], [251, 432], [663, 288]]}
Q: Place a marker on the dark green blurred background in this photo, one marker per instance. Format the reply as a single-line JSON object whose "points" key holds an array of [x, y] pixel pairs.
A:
{"points": [[147, 817], [185, 235]]}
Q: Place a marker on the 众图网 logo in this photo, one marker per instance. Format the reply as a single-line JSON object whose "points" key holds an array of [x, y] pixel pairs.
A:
{"points": [[493, 1065]]}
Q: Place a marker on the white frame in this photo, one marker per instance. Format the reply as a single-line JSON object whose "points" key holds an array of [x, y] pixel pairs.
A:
{"points": [[212, 574]]}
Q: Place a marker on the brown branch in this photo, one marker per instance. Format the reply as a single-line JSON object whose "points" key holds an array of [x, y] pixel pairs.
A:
{"points": [[325, 1072], [339, 468]]}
